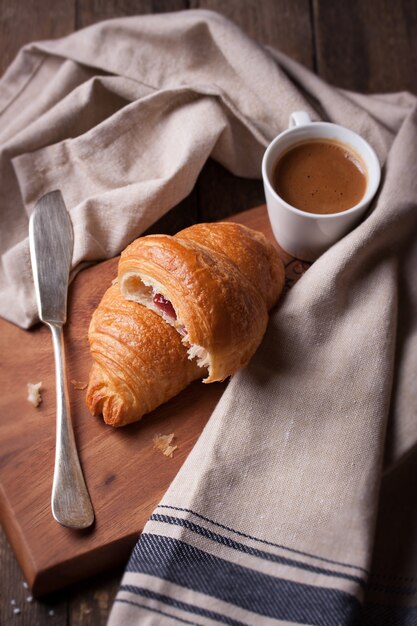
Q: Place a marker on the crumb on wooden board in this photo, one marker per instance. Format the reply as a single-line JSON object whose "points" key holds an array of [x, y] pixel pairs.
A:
{"points": [[34, 393], [79, 384], [164, 443]]}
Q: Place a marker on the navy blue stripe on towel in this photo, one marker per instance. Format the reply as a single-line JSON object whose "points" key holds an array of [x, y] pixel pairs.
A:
{"points": [[240, 547], [184, 565], [163, 613], [377, 615], [264, 541], [183, 606]]}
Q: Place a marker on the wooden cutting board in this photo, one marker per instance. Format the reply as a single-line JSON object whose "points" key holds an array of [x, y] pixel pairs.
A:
{"points": [[126, 475]]}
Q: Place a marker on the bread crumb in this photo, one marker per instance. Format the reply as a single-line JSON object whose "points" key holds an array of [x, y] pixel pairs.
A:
{"points": [[164, 444], [79, 384], [34, 393]]}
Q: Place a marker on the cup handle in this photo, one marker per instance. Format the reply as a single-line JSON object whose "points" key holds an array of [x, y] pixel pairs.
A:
{"points": [[299, 118]]}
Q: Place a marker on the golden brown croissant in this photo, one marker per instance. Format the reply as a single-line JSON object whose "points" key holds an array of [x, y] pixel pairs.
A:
{"points": [[139, 361], [214, 283]]}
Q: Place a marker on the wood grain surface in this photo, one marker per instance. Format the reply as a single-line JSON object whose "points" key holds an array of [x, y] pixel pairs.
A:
{"points": [[363, 46]]}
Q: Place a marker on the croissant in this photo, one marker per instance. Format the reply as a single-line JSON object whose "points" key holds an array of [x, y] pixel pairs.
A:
{"points": [[139, 361], [213, 283]]}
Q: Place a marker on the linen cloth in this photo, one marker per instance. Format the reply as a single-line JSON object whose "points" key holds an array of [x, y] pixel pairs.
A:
{"points": [[297, 505]]}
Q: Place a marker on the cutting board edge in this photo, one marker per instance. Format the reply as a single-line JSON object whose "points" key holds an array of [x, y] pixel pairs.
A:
{"points": [[17, 540], [101, 559]]}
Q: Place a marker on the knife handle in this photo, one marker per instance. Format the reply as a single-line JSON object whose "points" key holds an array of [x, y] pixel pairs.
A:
{"points": [[71, 504]]}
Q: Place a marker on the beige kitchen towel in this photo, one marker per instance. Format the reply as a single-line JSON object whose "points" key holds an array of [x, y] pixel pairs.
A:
{"points": [[297, 505]]}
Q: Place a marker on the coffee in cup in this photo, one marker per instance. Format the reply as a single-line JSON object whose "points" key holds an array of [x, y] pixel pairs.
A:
{"points": [[319, 179], [320, 176]]}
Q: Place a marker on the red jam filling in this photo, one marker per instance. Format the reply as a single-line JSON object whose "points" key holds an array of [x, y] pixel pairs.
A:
{"points": [[164, 305]]}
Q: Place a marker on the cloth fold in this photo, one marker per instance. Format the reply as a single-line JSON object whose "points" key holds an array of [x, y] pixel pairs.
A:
{"points": [[296, 505]]}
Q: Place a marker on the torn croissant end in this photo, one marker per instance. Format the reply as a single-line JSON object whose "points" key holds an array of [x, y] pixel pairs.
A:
{"points": [[214, 283], [139, 361]]}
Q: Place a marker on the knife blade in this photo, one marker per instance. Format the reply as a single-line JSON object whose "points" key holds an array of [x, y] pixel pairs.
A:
{"points": [[51, 244]]}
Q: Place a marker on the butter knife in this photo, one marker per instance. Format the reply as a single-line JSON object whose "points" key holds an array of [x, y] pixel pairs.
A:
{"points": [[51, 243]]}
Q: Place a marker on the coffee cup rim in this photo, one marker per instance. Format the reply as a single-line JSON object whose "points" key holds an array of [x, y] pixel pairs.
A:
{"points": [[372, 182]]}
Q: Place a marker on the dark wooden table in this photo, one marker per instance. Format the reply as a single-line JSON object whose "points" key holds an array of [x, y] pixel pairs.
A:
{"points": [[362, 46]]}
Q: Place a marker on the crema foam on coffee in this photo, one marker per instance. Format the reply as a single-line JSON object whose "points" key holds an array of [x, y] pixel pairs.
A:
{"points": [[320, 176]]}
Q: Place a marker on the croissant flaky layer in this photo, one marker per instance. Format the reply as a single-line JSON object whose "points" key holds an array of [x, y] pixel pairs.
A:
{"points": [[214, 283], [139, 361]]}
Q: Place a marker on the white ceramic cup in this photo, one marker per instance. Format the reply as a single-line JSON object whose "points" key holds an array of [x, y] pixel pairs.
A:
{"points": [[307, 235]]}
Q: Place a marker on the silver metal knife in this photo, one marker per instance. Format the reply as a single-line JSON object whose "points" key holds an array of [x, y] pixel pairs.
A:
{"points": [[51, 243]]}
